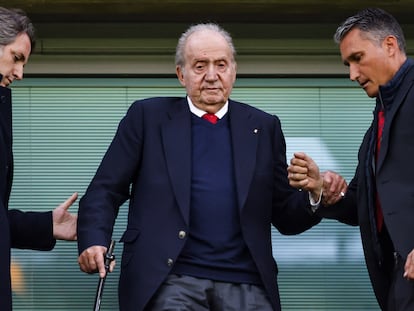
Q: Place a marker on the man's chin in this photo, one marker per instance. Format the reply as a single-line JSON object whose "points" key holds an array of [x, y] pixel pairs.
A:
{"points": [[4, 83], [214, 99], [371, 92]]}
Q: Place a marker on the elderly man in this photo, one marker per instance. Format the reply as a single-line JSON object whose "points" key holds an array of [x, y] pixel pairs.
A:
{"points": [[206, 178]]}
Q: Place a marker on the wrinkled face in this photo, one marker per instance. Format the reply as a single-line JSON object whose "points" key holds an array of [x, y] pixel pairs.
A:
{"points": [[209, 71], [369, 64], [13, 57]]}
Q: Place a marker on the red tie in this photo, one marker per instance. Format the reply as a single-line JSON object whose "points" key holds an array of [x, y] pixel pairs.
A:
{"points": [[380, 217], [210, 117]]}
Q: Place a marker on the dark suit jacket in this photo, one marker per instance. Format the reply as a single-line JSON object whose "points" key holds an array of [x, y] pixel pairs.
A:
{"points": [[17, 229], [152, 152], [395, 186]]}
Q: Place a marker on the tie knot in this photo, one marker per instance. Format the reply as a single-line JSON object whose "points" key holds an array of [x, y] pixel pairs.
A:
{"points": [[210, 117]]}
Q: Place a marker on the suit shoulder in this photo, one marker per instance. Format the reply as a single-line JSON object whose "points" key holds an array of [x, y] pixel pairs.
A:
{"points": [[257, 112], [157, 103]]}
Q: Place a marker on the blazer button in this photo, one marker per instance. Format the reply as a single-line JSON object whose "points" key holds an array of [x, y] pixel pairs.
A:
{"points": [[170, 262], [182, 234]]}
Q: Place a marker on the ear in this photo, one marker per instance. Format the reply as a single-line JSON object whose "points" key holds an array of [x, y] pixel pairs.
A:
{"points": [[391, 45], [235, 72], [180, 75]]}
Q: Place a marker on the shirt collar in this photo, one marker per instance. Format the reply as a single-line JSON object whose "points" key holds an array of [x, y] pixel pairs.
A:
{"points": [[388, 91], [198, 112]]}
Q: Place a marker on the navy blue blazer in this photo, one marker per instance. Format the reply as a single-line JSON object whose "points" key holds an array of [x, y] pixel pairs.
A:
{"points": [[17, 229], [149, 162], [394, 181]]}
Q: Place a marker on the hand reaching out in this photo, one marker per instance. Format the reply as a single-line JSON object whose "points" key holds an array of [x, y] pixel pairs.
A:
{"points": [[409, 266], [64, 223], [334, 187]]}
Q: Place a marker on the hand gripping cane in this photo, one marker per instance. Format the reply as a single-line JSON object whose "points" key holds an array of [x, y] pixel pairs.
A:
{"points": [[109, 256]]}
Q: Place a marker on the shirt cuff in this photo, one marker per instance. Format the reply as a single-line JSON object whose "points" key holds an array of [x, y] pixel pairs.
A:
{"points": [[315, 205]]}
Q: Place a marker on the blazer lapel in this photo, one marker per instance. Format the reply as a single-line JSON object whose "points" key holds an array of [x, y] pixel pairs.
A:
{"points": [[245, 133], [176, 138], [5, 117], [389, 116], [6, 157]]}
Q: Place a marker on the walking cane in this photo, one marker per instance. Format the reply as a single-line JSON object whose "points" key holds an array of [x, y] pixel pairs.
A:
{"points": [[109, 256]]}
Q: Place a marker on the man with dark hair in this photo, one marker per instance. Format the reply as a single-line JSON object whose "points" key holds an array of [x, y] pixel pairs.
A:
{"points": [[380, 197], [18, 229]]}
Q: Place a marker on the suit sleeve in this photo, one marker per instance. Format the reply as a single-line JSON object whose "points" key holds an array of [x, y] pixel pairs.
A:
{"points": [[31, 230], [345, 210], [291, 207], [110, 187]]}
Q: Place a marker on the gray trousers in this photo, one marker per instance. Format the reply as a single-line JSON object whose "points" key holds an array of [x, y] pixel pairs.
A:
{"points": [[401, 295], [186, 293]]}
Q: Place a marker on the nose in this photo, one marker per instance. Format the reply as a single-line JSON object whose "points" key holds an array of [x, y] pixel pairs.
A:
{"points": [[18, 72], [211, 73], [353, 72]]}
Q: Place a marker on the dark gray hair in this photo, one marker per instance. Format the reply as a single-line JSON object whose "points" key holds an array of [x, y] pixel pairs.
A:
{"points": [[375, 24], [12, 23], [180, 49]]}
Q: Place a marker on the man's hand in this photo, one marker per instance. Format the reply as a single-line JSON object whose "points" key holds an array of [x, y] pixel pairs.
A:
{"points": [[64, 223], [409, 266], [334, 187], [303, 173], [92, 260]]}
